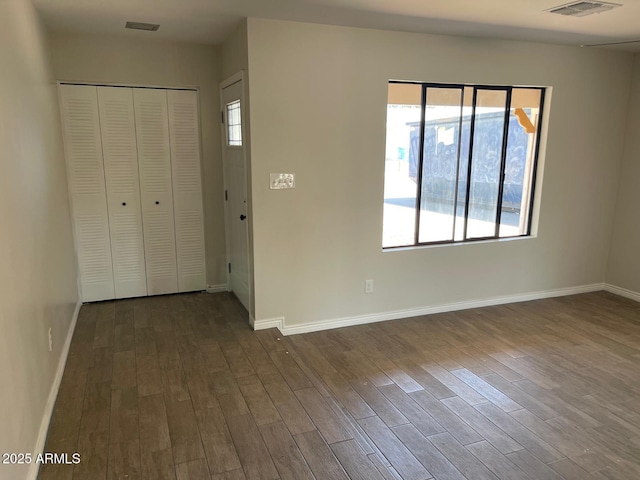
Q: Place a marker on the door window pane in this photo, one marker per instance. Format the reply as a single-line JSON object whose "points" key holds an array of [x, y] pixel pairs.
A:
{"points": [[234, 124]]}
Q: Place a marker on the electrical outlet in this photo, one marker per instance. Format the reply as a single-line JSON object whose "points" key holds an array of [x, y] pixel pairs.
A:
{"points": [[50, 341], [368, 286]]}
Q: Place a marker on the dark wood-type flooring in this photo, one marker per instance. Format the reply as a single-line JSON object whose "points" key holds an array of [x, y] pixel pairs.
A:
{"points": [[179, 387]]}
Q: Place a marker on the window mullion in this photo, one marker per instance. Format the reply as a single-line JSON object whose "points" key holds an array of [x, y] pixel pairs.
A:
{"points": [[503, 161], [455, 197], [471, 133], [423, 106], [535, 160]]}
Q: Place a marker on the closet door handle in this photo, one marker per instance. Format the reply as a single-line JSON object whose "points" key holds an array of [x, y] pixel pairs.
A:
{"points": [[242, 217], [124, 204], [157, 202]]}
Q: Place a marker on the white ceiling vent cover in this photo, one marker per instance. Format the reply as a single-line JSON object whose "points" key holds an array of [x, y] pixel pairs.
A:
{"points": [[583, 8], [150, 27]]}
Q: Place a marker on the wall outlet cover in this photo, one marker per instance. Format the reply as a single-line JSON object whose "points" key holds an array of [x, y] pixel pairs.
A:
{"points": [[368, 286], [281, 181]]}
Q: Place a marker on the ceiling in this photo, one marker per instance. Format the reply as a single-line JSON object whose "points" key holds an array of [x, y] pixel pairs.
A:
{"points": [[211, 21]]}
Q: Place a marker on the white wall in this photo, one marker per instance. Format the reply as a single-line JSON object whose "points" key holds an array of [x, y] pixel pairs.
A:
{"points": [[318, 106], [624, 262], [124, 60], [38, 285]]}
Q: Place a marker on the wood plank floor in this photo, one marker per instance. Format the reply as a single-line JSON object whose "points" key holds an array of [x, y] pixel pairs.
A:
{"points": [[179, 387]]}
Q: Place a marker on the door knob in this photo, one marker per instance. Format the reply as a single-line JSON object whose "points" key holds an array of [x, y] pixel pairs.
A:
{"points": [[157, 203], [124, 204], [242, 217]]}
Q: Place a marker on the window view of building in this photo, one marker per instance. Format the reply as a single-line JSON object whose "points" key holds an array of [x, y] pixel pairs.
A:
{"points": [[460, 162]]}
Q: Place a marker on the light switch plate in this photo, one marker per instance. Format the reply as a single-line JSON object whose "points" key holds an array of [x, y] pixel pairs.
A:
{"points": [[281, 181]]}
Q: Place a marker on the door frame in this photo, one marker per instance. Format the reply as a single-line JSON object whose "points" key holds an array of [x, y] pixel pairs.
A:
{"points": [[237, 77]]}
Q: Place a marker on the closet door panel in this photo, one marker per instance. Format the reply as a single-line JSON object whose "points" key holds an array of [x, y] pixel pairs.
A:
{"points": [[123, 190], [187, 189], [154, 164], [83, 148]]}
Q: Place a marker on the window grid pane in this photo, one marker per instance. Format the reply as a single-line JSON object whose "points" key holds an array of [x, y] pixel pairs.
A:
{"points": [[440, 164], [486, 158], [523, 135], [400, 183], [234, 124]]}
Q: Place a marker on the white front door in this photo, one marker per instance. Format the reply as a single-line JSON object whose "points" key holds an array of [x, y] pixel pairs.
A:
{"points": [[236, 189]]}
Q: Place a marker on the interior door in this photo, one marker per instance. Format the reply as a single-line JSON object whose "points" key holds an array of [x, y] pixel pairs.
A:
{"points": [[156, 193], [83, 148], [236, 191], [123, 190], [187, 189]]}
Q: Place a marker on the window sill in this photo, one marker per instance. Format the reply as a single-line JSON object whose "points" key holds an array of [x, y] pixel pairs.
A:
{"points": [[458, 244]]}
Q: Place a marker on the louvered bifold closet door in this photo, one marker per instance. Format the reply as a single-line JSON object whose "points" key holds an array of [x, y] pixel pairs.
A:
{"points": [[154, 164], [87, 189], [187, 188], [123, 190]]}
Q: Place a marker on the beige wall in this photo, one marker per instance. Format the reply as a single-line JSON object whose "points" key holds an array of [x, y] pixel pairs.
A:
{"points": [[624, 262], [234, 52], [38, 287], [109, 59], [318, 106]]}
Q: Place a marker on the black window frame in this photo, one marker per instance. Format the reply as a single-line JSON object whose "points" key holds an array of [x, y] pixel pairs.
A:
{"points": [[419, 187]]}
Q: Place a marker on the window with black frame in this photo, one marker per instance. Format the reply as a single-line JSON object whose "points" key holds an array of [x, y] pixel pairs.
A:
{"points": [[460, 162]]}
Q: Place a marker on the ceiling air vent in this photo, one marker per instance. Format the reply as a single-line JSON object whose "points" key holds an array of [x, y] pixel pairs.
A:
{"points": [[150, 27], [582, 9]]}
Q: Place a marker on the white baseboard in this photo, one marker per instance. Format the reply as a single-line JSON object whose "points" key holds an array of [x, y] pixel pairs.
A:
{"points": [[280, 324], [623, 292], [217, 288], [265, 323], [53, 394]]}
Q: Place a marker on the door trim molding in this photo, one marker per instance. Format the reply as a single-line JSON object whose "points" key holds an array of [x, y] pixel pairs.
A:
{"points": [[236, 77], [223, 287], [129, 85]]}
